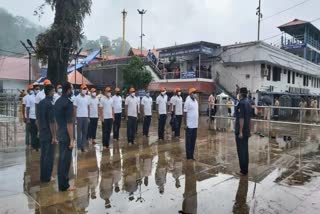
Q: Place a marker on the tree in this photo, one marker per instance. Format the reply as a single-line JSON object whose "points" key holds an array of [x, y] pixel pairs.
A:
{"points": [[135, 74], [64, 36]]}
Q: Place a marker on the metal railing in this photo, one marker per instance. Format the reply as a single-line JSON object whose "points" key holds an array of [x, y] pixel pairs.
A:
{"points": [[9, 119]]}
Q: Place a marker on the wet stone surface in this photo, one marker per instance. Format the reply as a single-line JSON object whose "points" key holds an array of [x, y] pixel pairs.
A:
{"points": [[154, 177]]}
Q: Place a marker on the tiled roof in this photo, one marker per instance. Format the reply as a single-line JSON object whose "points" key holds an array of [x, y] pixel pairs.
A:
{"points": [[294, 22], [14, 68], [71, 77]]}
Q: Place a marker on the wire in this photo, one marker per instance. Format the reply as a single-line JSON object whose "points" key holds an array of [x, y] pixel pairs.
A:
{"points": [[6, 51], [282, 11]]}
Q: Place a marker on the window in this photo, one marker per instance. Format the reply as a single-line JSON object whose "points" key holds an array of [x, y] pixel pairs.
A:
{"points": [[289, 76], [276, 74], [305, 80], [293, 77], [269, 72], [247, 76]]}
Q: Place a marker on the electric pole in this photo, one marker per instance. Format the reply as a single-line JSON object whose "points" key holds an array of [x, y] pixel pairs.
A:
{"points": [[259, 14], [124, 15], [142, 12]]}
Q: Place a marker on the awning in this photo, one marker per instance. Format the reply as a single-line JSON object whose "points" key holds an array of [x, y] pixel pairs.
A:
{"points": [[79, 76], [203, 87]]}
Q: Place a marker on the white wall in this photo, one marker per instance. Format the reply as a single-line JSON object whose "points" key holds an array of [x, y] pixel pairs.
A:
{"points": [[15, 85]]}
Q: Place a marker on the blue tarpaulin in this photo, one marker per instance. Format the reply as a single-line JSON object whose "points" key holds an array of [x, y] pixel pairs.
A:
{"points": [[85, 61]]}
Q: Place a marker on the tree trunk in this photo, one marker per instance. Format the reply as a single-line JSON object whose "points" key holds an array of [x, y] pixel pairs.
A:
{"points": [[58, 65]]}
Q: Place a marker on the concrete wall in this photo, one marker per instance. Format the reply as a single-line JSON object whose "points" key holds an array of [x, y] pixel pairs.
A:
{"points": [[13, 85]]}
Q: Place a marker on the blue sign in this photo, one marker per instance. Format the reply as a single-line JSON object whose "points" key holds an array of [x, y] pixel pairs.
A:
{"points": [[188, 75], [294, 46]]}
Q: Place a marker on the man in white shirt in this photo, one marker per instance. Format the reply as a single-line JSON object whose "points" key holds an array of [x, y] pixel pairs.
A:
{"points": [[191, 110], [146, 109], [31, 119], [81, 112], [161, 102], [132, 110], [177, 112], [41, 95], [58, 93], [106, 116], [24, 112], [93, 124], [117, 104], [173, 118]]}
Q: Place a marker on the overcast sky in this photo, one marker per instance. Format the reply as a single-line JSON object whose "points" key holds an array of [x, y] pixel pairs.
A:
{"points": [[169, 21]]}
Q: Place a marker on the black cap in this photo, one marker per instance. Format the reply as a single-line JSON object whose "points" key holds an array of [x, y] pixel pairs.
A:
{"points": [[243, 90]]}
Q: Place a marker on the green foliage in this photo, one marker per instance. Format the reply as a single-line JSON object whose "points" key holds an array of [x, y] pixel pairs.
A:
{"points": [[135, 74], [14, 29], [114, 46]]}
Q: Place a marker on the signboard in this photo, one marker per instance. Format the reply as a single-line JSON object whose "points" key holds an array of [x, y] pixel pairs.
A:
{"points": [[188, 75], [294, 46], [186, 51], [299, 90]]}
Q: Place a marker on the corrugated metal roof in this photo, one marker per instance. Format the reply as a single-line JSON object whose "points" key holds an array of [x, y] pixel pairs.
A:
{"points": [[294, 22]]}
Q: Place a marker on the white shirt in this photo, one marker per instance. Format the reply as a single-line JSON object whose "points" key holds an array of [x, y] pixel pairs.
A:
{"points": [[107, 105], [32, 105], [56, 96], [40, 96], [192, 109], [147, 105], [82, 103], [133, 104], [172, 101], [178, 102], [162, 104], [24, 102], [93, 106], [117, 104]]}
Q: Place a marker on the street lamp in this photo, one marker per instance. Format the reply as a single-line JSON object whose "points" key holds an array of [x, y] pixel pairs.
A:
{"points": [[29, 49], [75, 66], [141, 12]]}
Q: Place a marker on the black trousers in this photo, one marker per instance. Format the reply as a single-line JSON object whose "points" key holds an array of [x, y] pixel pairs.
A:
{"points": [[46, 160], [131, 128], [191, 137], [178, 125], [161, 126], [116, 125], [34, 134], [65, 156], [243, 153], [146, 125], [107, 127], [92, 130]]}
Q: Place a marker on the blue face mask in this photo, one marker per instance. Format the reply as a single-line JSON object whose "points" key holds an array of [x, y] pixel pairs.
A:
{"points": [[31, 92]]}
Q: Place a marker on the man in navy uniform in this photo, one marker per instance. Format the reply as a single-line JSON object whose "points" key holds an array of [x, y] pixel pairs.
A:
{"points": [[242, 130], [65, 120], [47, 129]]}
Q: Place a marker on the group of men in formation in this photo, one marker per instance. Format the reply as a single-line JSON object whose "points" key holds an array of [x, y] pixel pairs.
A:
{"points": [[54, 112]]}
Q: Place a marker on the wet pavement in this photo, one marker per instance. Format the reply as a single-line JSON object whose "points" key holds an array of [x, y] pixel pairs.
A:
{"points": [[154, 177]]}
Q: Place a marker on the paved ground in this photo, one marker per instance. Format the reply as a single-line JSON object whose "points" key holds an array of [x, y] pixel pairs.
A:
{"points": [[152, 177]]}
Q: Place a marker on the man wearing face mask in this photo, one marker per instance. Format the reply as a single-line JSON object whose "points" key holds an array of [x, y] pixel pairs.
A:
{"points": [[47, 130], [146, 109], [242, 130], [178, 111], [162, 101], [31, 119], [24, 112], [191, 110], [117, 103], [82, 112], [65, 118], [132, 110], [93, 124], [40, 95], [57, 95], [106, 116]]}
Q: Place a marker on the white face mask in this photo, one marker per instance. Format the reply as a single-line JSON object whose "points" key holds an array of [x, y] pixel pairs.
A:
{"points": [[163, 93], [133, 94], [147, 94], [108, 94], [31, 92], [84, 92], [37, 91], [179, 93], [94, 94], [59, 90]]}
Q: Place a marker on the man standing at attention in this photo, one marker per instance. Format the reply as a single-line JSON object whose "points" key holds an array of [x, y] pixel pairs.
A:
{"points": [[117, 104], [47, 129], [177, 112], [162, 101], [24, 113], [146, 109], [242, 131], [132, 110], [93, 124], [64, 118], [31, 120], [191, 110], [107, 116], [82, 112]]}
